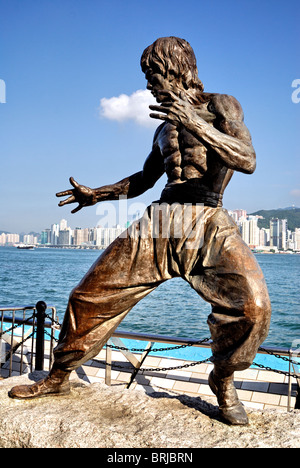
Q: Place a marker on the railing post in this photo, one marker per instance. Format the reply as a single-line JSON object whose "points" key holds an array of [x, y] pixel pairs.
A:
{"points": [[297, 404], [41, 307], [289, 384]]}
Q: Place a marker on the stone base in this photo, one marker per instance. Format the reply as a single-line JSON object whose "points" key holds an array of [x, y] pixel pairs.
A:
{"points": [[97, 416]]}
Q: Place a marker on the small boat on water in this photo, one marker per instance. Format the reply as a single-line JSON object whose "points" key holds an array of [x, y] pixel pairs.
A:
{"points": [[25, 247]]}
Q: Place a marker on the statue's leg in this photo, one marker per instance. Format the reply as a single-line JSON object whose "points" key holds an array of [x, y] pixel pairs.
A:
{"points": [[125, 273], [228, 276]]}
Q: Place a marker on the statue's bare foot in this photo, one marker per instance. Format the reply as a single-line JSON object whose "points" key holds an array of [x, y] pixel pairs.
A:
{"points": [[231, 409], [47, 387]]}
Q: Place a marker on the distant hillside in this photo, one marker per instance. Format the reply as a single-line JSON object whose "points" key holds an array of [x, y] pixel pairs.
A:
{"points": [[292, 214]]}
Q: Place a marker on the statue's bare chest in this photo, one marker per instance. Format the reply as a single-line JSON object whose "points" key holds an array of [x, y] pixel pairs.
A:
{"points": [[184, 156]]}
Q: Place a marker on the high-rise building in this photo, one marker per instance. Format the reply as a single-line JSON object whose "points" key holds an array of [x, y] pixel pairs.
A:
{"points": [[264, 237], [81, 236], [63, 224], [233, 215], [9, 239], [64, 237], [240, 214], [54, 233], [253, 231], [283, 234], [278, 233], [250, 231], [274, 232], [30, 239], [297, 239], [244, 228], [2, 238], [46, 236], [105, 236]]}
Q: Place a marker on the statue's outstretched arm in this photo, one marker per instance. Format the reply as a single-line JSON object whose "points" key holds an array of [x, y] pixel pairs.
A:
{"points": [[131, 186]]}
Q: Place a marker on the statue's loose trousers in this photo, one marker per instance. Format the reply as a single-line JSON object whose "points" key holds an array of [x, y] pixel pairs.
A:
{"points": [[200, 244]]}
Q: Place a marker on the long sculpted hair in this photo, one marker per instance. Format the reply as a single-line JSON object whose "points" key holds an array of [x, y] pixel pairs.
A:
{"points": [[174, 56]]}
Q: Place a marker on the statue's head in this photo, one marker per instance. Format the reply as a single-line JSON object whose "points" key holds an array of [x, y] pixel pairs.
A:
{"points": [[172, 56]]}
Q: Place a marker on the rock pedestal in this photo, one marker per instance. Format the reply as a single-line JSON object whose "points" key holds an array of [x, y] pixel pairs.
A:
{"points": [[97, 416]]}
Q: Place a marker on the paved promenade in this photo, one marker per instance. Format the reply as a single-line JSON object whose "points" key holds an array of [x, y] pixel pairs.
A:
{"points": [[256, 388]]}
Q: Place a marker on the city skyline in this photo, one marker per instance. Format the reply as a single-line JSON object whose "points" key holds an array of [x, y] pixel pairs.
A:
{"points": [[119, 219], [277, 237], [111, 220], [76, 102]]}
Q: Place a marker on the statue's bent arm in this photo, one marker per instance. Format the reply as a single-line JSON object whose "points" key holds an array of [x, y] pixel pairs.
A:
{"points": [[233, 141], [229, 137]]}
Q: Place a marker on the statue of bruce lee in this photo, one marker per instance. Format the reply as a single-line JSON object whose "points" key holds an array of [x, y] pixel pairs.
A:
{"points": [[200, 143]]}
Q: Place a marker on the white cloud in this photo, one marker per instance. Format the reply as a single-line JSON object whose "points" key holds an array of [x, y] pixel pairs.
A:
{"points": [[134, 107]]}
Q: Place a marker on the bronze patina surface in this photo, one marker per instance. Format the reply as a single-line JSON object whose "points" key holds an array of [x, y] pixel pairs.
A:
{"points": [[201, 142]]}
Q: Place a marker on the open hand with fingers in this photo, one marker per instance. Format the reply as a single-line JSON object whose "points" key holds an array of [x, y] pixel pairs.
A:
{"points": [[176, 109], [80, 194]]}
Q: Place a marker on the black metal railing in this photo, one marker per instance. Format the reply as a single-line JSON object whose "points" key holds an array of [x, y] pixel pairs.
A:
{"points": [[22, 338]]}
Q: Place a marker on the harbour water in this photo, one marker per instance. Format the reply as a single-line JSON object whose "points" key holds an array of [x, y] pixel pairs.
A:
{"points": [[173, 309]]}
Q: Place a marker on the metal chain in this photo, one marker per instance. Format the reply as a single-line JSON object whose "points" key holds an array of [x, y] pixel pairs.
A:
{"points": [[279, 357], [56, 322], [295, 376], [158, 369], [11, 351], [52, 337], [195, 363], [15, 326], [155, 350], [25, 339], [162, 369]]}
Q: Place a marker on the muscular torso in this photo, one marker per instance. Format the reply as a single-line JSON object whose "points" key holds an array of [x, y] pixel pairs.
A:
{"points": [[187, 159]]}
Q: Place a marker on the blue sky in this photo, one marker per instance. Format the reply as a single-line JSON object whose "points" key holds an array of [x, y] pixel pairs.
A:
{"points": [[59, 58]]}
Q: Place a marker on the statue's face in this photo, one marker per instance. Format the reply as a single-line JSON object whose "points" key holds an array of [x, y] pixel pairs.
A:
{"points": [[157, 82]]}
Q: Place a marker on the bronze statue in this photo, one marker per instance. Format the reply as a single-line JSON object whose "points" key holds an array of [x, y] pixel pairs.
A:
{"points": [[201, 142]]}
